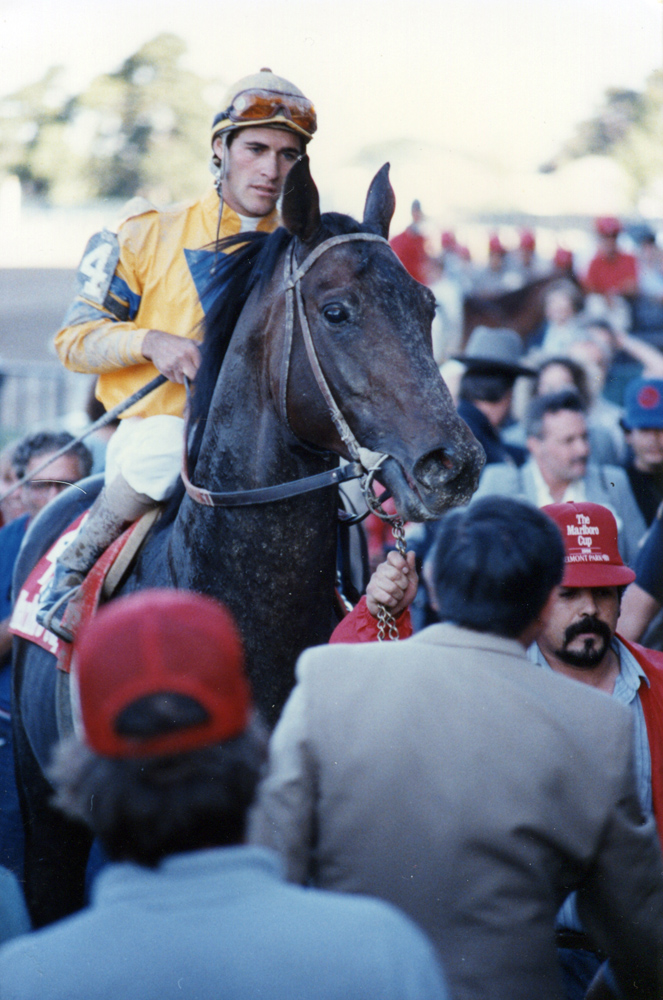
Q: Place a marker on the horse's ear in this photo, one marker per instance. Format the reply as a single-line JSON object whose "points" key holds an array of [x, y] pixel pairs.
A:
{"points": [[301, 204], [380, 203]]}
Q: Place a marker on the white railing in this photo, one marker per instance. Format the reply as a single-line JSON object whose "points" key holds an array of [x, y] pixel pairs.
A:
{"points": [[38, 395]]}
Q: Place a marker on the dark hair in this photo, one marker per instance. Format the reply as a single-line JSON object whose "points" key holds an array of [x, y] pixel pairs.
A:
{"points": [[552, 402], [494, 565], [145, 809], [487, 387], [575, 370], [44, 442]]}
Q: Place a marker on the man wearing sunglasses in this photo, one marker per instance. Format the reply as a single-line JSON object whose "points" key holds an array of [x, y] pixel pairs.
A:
{"points": [[140, 303]]}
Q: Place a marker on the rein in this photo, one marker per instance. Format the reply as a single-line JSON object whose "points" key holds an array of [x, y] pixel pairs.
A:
{"points": [[365, 462]]}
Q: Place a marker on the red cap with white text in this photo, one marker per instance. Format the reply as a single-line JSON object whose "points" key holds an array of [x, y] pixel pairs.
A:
{"points": [[589, 533]]}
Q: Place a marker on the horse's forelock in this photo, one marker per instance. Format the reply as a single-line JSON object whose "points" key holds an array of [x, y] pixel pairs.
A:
{"points": [[248, 261]]}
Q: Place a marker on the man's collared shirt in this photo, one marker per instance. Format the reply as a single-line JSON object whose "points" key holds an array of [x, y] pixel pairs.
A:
{"points": [[574, 493], [626, 690]]}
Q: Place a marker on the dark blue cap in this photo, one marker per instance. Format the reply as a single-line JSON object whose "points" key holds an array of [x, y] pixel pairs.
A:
{"points": [[643, 403]]}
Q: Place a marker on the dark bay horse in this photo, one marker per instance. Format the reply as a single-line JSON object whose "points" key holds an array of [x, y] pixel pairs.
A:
{"points": [[339, 365], [521, 310]]}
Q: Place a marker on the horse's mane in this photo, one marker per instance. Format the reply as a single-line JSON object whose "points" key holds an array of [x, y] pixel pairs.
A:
{"points": [[237, 273], [243, 262]]}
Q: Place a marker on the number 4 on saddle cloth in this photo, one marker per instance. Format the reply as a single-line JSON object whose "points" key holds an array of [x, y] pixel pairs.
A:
{"points": [[98, 586]]}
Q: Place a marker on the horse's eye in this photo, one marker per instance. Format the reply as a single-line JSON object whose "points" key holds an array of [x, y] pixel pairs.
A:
{"points": [[335, 314]]}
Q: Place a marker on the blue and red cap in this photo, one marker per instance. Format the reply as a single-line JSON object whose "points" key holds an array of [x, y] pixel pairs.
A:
{"points": [[643, 404]]}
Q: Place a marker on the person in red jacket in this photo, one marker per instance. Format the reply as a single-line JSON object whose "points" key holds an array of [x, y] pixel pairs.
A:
{"points": [[611, 271], [410, 247], [393, 585]]}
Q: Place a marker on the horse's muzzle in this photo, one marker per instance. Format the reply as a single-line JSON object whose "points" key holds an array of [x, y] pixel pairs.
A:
{"points": [[440, 479]]}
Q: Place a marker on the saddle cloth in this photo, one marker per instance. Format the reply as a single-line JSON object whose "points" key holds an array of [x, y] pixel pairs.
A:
{"points": [[99, 584]]}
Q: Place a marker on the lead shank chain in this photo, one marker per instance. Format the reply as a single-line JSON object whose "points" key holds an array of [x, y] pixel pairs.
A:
{"points": [[387, 627]]}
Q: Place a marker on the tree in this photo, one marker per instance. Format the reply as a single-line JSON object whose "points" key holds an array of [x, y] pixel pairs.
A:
{"points": [[628, 128], [142, 129]]}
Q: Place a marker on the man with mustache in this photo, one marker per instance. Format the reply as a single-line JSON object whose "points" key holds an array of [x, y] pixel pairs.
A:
{"points": [[579, 640]]}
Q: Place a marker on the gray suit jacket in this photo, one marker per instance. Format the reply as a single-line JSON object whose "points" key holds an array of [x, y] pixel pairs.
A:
{"points": [[604, 484], [446, 775]]}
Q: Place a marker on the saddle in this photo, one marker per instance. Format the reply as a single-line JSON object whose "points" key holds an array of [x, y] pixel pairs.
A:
{"points": [[100, 584]]}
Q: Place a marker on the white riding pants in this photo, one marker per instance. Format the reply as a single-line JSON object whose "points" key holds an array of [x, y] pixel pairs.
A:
{"points": [[147, 452]]}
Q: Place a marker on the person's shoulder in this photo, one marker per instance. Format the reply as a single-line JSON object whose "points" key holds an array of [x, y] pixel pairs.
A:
{"points": [[615, 476], [15, 529], [582, 708], [134, 208], [651, 660], [333, 673], [23, 959], [618, 471], [140, 214], [393, 948], [320, 659], [500, 477]]}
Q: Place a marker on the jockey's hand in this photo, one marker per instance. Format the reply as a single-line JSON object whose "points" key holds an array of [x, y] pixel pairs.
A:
{"points": [[175, 357], [394, 584]]}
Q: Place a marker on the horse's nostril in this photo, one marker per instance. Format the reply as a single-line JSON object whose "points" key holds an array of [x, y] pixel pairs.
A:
{"points": [[433, 468]]}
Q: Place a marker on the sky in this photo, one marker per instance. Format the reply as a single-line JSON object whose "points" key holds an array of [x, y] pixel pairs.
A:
{"points": [[491, 83]]}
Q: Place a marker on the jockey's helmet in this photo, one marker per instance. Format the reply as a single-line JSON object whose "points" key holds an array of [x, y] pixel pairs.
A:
{"points": [[265, 99]]}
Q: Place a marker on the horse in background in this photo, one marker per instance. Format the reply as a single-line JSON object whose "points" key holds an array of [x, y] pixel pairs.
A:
{"points": [[522, 309]]}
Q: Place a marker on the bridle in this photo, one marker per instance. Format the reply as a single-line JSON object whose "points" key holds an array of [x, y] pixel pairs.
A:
{"points": [[365, 463]]}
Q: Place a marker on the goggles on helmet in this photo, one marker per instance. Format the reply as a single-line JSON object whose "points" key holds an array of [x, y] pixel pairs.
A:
{"points": [[256, 106]]}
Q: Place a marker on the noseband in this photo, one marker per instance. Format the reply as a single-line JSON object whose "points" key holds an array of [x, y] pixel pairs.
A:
{"points": [[365, 462]]}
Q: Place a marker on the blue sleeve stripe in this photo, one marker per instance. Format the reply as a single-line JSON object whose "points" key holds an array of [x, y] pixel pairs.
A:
{"points": [[84, 312], [119, 289]]}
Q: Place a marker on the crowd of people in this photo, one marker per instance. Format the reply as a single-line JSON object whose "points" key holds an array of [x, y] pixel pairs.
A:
{"points": [[569, 409], [470, 814], [623, 286]]}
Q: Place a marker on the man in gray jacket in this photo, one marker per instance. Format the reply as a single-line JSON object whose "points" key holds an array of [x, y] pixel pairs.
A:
{"points": [[559, 469], [444, 774]]}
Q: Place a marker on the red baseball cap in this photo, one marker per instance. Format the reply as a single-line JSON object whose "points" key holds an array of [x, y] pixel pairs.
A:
{"points": [[589, 533], [527, 240], [608, 225], [563, 259], [161, 642], [495, 245]]}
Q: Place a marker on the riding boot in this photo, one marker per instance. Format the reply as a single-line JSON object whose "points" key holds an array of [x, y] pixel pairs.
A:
{"points": [[117, 506]]}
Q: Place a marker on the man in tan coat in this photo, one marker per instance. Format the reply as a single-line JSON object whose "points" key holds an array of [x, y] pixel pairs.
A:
{"points": [[445, 775]]}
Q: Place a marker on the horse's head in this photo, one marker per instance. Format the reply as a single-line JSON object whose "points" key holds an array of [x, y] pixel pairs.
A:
{"points": [[370, 324]]}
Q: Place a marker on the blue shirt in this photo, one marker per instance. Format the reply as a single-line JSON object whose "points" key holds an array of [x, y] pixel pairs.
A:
{"points": [[221, 923], [11, 537], [626, 690]]}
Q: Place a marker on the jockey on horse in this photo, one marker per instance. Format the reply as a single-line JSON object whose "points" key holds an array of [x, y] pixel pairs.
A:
{"points": [[138, 310]]}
